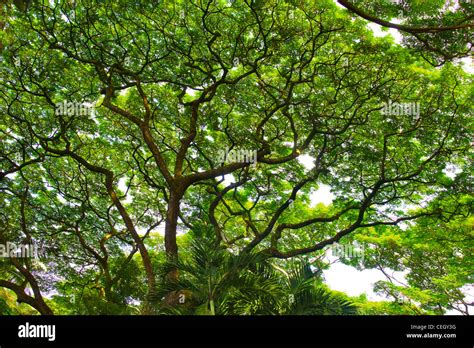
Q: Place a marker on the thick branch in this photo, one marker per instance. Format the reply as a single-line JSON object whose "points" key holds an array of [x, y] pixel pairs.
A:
{"points": [[405, 28]]}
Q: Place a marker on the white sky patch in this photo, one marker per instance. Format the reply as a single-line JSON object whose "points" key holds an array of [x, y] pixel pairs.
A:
{"points": [[228, 179], [12, 176], [191, 92], [467, 64], [451, 171], [321, 195], [378, 32], [122, 185], [64, 18], [307, 161], [160, 229], [61, 199], [338, 4], [353, 282]]}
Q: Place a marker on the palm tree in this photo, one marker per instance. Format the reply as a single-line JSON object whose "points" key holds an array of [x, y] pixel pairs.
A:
{"points": [[305, 296], [214, 281], [209, 276]]}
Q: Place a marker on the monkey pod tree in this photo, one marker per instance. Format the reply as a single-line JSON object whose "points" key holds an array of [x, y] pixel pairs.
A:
{"points": [[173, 84]]}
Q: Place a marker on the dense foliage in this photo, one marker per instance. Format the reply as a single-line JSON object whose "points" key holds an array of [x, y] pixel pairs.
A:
{"points": [[153, 152]]}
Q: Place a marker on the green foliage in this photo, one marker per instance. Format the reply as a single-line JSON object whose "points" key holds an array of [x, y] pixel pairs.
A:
{"points": [[121, 198], [215, 282]]}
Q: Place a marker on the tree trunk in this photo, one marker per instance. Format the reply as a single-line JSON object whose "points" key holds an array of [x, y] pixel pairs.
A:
{"points": [[172, 215]]}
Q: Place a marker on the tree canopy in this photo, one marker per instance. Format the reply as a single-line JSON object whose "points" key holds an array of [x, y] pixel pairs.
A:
{"points": [[129, 128]]}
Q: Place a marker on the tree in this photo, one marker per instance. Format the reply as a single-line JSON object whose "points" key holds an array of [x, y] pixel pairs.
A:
{"points": [[122, 119], [214, 281], [441, 30], [436, 256]]}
